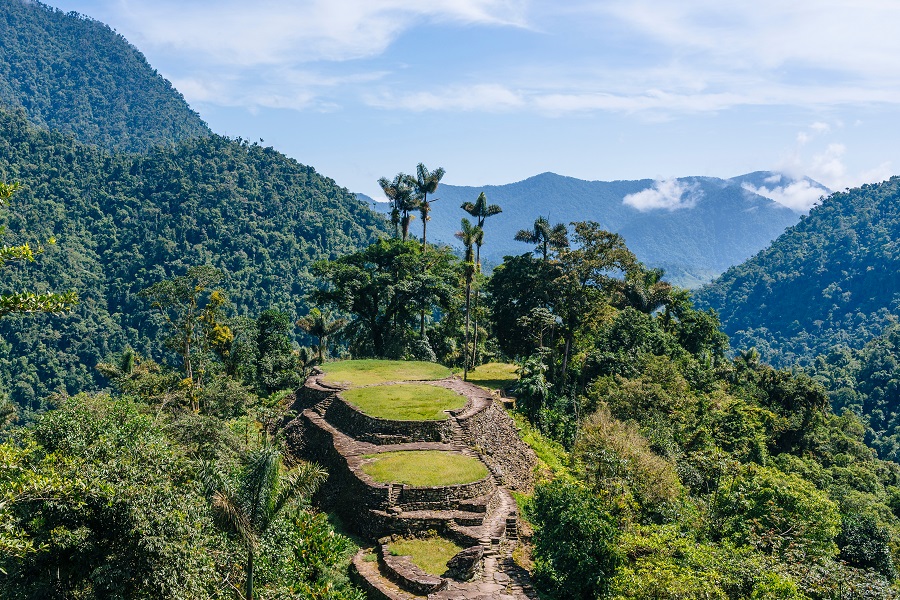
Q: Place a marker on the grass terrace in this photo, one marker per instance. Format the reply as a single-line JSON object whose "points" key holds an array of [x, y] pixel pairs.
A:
{"points": [[494, 376], [368, 372], [424, 468], [405, 402], [429, 554]]}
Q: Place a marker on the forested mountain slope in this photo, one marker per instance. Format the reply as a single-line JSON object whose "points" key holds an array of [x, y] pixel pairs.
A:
{"points": [[123, 222], [700, 226], [77, 75], [831, 280]]}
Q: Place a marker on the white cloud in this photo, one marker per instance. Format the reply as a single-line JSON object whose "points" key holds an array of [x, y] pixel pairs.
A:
{"points": [[820, 127], [484, 97], [668, 194], [272, 32], [800, 195]]}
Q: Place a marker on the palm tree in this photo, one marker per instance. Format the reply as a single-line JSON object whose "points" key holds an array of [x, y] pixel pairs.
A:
{"points": [[318, 325], [426, 183], [481, 210], [402, 194], [265, 487], [468, 235], [645, 291], [545, 236]]}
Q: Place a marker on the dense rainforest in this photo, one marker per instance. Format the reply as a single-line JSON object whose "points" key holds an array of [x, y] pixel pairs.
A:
{"points": [[831, 280], [76, 75], [123, 222]]}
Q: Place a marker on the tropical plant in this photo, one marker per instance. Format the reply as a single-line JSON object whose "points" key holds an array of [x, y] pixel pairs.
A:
{"points": [[401, 192], [426, 183], [481, 210], [469, 235], [545, 236], [265, 488], [321, 326]]}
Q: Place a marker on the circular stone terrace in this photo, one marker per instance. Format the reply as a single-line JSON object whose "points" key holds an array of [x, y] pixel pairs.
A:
{"points": [[412, 449]]}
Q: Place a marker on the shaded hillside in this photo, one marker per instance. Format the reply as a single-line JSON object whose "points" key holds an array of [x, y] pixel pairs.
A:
{"points": [[717, 223], [831, 280], [123, 222], [77, 75], [867, 382]]}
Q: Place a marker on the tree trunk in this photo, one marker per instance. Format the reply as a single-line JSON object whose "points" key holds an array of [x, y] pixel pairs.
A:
{"points": [[466, 348], [248, 586], [475, 320]]}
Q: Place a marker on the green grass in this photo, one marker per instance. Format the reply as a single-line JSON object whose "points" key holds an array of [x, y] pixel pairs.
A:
{"points": [[368, 372], [553, 459], [495, 376], [405, 402], [429, 554], [422, 468]]}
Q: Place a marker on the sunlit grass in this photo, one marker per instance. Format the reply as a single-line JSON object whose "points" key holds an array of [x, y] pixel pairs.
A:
{"points": [[422, 468], [368, 372], [429, 554], [495, 376], [405, 402]]}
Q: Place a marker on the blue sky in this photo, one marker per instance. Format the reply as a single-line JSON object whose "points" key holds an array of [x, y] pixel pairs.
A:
{"points": [[498, 90]]}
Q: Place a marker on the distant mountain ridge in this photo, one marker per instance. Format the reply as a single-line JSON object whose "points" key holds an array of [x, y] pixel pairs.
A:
{"points": [[699, 228], [831, 280], [76, 75]]}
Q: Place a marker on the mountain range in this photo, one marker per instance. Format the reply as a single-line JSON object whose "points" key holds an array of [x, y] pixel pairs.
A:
{"points": [[831, 280], [693, 227]]}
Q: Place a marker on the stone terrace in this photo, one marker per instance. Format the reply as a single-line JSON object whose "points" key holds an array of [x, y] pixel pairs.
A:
{"points": [[337, 435]]}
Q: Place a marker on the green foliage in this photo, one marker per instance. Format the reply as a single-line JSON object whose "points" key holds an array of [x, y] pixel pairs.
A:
{"points": [[575, 542], [826, 282], [110, 507], [383, 287], [76, 75], [124, 223], [777, 513]]}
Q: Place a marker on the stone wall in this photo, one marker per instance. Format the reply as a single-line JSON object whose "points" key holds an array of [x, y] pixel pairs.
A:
{"points": [[493, 433], [374, 430], [448, 496]]}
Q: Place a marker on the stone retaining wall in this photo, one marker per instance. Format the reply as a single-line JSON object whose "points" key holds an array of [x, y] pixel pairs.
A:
{"points": [[374, 430], [494, 434], [444, 496]]}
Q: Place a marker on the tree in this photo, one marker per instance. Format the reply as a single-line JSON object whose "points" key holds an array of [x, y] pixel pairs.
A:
{"points": [[575, 542], [194, 316], [266, 487], [383, 287], [402, 194], [24, 301], [469, 236], [276, 363], [481, 210], [426, 183], [545, 236], [321, 326], [645, 290]]}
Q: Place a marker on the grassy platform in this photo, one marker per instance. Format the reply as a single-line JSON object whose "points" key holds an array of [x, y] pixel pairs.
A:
{"points": [[423, 468], [429, 554], [368, 372], [405, 402], [495, 376]]}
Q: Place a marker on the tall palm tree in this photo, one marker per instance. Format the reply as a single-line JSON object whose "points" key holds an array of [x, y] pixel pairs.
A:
{"points": [[426, 183], [545, 236], [481, 210], [645, 290], [468, 235], [401, 191], [265, 487], [321, 327]]}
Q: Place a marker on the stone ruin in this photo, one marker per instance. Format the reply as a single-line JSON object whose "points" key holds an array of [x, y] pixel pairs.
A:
{"points": [[480, 516]]}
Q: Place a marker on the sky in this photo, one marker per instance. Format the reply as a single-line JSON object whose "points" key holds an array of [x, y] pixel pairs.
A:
{"points": [[496, 91]]}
